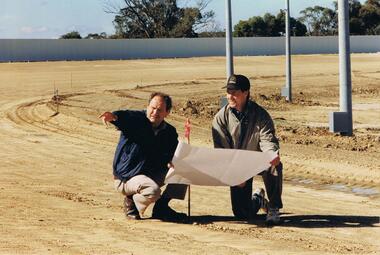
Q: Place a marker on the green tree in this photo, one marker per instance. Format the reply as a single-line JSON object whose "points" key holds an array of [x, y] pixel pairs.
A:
{"points": [[297, 28], [356, 22], [71, 35], [159, 19], [370, 16], [273, 25], [243, 29], [268, 25], [364, 19], [102, 35], [319, 20], [254, 26], [356, 26]]}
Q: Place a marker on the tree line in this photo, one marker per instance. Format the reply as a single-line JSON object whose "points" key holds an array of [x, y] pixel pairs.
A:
{"points": [[166, 19]]}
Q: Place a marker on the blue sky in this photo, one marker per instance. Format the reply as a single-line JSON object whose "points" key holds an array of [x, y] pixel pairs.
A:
{"points": [[53, 18]]}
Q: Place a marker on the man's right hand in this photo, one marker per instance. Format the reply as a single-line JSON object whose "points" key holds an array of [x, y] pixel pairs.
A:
{"points": [[276, 161], [107, 117]]}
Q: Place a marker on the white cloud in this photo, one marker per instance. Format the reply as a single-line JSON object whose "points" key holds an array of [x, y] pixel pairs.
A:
{"points": [[42, 29], [27, 30], [32, 30]]}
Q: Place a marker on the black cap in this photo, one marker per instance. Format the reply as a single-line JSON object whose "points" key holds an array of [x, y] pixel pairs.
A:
{"points": [[238, 82]]}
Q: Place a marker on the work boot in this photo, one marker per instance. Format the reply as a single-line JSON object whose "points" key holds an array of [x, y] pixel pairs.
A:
{"points": [[264, 204], [130, 209], [273, 216], [162, 211], [258, 202]]}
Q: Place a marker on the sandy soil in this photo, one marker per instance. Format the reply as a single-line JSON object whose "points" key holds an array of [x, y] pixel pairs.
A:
{"points": [[56, 194]]}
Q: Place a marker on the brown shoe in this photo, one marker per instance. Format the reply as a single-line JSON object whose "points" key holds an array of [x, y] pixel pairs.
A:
{"points": [[130, 209]]}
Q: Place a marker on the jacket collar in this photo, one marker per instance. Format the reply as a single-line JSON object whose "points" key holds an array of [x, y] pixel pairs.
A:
{"points": [[161, 127], [242, 114]]}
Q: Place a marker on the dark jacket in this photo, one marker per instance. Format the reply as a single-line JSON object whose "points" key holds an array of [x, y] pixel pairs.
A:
{"points": [[140, 150]]}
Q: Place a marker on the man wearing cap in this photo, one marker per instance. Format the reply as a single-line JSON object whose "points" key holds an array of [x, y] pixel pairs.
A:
{"points": [[243, 124]]}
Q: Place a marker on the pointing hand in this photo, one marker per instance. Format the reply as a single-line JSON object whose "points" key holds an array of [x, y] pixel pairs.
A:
{"points": [[107, 117]]}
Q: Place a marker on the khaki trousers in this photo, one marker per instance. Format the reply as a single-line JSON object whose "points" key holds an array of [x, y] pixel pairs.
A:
{"points": [[144, 191]]}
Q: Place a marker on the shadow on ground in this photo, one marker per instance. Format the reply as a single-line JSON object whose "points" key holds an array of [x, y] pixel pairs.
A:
{"points": [[328, 221], [299, 221]]}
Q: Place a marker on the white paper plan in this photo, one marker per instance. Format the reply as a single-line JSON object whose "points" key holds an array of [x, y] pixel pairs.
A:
{"points": [[216, 167]]}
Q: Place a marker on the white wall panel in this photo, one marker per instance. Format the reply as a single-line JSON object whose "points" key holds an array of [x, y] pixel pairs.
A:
{"points": [[86, 49]]}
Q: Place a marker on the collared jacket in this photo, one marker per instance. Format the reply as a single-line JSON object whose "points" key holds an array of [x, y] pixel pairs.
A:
{"points": [[142, 150], [254, 131]]}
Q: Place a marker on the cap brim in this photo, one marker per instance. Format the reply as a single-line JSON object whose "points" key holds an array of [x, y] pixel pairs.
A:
{"points": [[231, 86]]}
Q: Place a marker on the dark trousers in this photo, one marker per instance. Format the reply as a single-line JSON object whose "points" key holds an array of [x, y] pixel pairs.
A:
{"points": [[174, 191], [241, 198]]}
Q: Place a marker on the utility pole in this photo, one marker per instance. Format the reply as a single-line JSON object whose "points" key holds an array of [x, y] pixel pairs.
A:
{"points": [[229, 48], [342, 121], [287, 90], [229, 45]]}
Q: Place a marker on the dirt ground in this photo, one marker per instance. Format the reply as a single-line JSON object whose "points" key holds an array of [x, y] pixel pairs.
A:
{"points": [[56, 188]]}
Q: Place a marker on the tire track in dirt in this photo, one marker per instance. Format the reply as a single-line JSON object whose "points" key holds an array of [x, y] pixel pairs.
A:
{"points": [[39, 116]]}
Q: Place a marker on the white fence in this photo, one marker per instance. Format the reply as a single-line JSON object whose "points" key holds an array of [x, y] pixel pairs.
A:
{"points": [[87, 49]]}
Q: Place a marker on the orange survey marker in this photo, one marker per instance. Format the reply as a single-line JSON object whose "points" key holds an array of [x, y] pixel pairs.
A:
{"points": [[187, 130], [187, 136]]}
